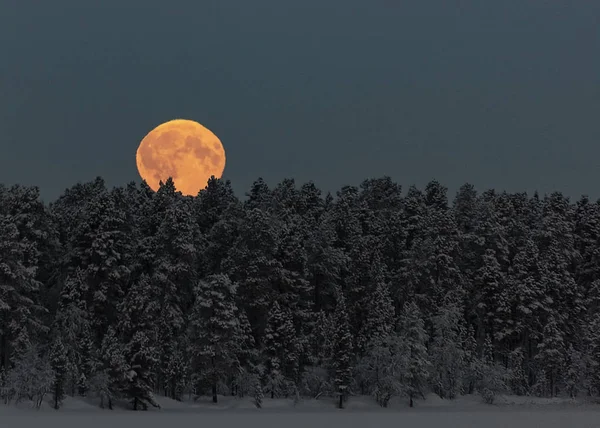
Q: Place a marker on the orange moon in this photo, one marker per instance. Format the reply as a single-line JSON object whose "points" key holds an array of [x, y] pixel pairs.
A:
{"points": [[181, 149]]}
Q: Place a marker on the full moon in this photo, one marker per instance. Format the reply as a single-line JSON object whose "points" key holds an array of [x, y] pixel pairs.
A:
{"points": [[181, 149]]}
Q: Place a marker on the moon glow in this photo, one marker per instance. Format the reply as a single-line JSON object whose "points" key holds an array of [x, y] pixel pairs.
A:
{"points": [[181, 149]]}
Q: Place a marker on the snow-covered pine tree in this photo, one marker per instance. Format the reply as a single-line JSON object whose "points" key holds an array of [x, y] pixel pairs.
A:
{"points": [[559, 257], [517, 381], [380, 318], [322, 338], [89, 362], [412, 218], [138, 332], [174, 275], [20, 310], [214, 328], [446, 351], [342, 355], [551, 355], [471, 360], [140, 352], [291, 283], [325, 263], [213, 202], [366, 270], [433, 263], [259, 196], [72, 326], [251, 263], [280, 351], [489, 281], [247, 356], [103, 227], [523, 303], [493, 376], [258, 394], [416, 368], [60, 364], [593, 354], [110, 379], [575, 379], [383, 200]]}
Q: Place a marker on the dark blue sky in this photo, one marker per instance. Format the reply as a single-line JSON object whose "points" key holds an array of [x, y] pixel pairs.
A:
{"points": [[502, 94]]}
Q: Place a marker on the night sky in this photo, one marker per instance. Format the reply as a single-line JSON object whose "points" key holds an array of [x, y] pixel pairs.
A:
{"points": [[502, 94]]}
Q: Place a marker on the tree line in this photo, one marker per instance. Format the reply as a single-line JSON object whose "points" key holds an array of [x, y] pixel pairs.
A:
{"points": [[125, 293]]}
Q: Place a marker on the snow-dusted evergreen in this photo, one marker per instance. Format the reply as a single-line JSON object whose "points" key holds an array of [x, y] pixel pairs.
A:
{"points": [[125, 294]]}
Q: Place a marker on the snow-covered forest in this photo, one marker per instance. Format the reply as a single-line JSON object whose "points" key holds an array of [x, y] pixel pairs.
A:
{"points": [[125, 294]]}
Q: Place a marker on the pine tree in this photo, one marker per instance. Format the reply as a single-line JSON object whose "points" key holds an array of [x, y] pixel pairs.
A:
{"points": [[342, 352], [20, 309], [247, 356], [97, 245], [593, 369], [489, 283], [471, 359], [492, 377], [139, 334], [214, 329], [291, 283], [259, 196], [446, 352], [551, 354], [523, 304], [325, 262], [213, 202], [112, 375], [280, 350], [412, 333], [59, 363], [575, 380], [383, 200], [174, 275], [72, 326], [251, 263], [380, 317]]}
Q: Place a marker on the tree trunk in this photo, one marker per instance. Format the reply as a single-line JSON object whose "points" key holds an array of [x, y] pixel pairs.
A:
{"points": [[411, 399], [135, 403], [341, 403], [214, 392]]}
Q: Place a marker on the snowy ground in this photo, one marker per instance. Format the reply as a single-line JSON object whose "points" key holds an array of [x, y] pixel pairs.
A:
{"points": [[466, 412]]}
